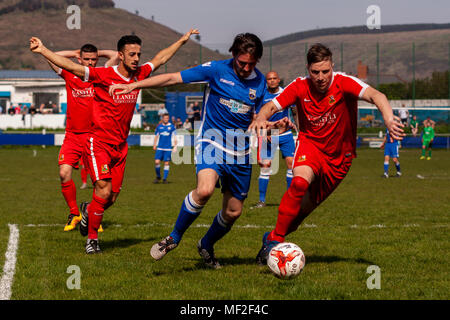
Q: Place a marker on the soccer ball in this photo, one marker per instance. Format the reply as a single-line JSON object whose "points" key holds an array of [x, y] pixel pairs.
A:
{"points": [[286, 260]]}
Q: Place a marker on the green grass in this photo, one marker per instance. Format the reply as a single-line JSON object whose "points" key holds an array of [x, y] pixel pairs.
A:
{"points": [[401, 225]]}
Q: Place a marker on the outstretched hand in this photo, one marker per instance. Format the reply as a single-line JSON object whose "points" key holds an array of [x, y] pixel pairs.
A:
{"points": [[395, 127], [281, 125], [36, 45], [188, 34], [120, 88]]}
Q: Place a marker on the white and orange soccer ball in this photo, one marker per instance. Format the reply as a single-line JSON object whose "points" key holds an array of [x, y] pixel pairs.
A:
{"points": [[286, 260]]}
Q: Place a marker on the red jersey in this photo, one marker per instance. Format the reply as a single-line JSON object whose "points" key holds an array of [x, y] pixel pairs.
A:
{"points": [[112, 115], [80, 95], [328, 120]]}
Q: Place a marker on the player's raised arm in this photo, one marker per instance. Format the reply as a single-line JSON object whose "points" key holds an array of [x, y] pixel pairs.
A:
{"points": [[67, 54], [164, 55], [393, 123], [36, 46], [162, 80], [111, 55]]}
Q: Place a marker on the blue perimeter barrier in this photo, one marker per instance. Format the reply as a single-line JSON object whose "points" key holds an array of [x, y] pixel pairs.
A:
{"points": [[135, 140]]}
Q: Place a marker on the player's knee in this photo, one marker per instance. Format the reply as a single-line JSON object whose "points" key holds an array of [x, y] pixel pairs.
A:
{"points": [[231, 214], [65, 174], [204, 193], [298, 187]]}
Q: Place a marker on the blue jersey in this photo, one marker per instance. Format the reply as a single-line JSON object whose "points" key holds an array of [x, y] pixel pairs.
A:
{"points": [[228, 105], [165, 136], [390, 140], [268, 96]]}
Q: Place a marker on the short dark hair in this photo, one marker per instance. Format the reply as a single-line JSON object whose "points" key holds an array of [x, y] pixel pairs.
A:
{"points": [[318, 53], [247, 43], [88, 48], [128, 39]]}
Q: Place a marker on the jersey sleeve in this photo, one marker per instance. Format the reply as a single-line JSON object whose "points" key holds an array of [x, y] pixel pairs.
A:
{"points": [[157, 131], [289, 95], [145, 70], [201, 73], [354, 86], [94, 75]]}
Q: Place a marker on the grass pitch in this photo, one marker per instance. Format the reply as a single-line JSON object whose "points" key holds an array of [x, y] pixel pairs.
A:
{"points": [[399, 224]]}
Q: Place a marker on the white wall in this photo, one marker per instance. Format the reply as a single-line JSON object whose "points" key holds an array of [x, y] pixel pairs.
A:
{"points": [[49, 121]]}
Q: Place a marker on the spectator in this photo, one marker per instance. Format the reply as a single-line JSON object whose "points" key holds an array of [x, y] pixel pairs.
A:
{"points": [[18, 109], [1, 109], [55, 108], [403, 114], [178, 123], [41, 108], [414, 125], [162, 111], [190, 114], [187, 125], [11, 110], [32, 109], [196, 111]]}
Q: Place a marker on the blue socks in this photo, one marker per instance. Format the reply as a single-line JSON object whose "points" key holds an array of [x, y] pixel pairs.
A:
{"points": [[263, 182], [166, 172], [218, 229], [289, 176], [157, 170], [188, 213]]}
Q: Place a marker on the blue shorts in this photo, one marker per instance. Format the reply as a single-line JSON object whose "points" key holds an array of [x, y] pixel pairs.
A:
{"points": [[285, 142], [234, 177], [163, 155], [391, 150]]}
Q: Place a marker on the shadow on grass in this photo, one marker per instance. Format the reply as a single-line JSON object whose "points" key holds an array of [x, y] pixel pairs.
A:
{"points": [[332, 259], [123, 243]]}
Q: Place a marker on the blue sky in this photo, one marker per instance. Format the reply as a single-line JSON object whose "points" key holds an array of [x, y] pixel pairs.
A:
{"points": [[219, 21]]}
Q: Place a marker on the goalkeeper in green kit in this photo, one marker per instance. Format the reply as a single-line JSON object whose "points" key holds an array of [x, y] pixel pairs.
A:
{"points": [[427, 139]]}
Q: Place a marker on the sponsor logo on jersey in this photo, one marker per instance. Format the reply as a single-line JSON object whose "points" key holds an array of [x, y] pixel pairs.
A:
{"points": [[235, 106], [105, 168], [83, 93], [126, 98], [231, 83], [301, 158], [252, 94], [320, 121], [207, 64]]}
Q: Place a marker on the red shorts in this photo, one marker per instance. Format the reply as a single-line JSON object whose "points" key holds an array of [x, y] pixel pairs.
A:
{"points": [[72, 148], [329, 171], [105, 161]]}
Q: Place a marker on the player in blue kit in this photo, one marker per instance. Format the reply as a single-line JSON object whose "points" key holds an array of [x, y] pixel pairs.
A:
{"points": [[235, 89], [267, 149], [163, 146], [390, 151]]}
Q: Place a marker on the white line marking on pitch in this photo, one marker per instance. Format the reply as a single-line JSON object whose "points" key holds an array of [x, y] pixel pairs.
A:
{"points": [[249, 226], [10, 263]]}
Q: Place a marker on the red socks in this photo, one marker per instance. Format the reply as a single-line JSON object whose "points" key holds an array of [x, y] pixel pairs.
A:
{"points": [[95, 212], [289, 209], [70, 194]]}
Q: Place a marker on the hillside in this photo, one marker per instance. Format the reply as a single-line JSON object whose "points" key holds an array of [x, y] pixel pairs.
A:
{"points": [[395, 54], [101, 26]]}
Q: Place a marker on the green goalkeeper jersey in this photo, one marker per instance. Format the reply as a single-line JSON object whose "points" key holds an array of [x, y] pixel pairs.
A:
{"points": [[428, 133]]}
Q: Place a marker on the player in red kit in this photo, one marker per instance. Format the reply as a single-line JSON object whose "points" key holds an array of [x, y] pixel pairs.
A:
{"points": [[327, 106], [80, 96], [106, 148]]}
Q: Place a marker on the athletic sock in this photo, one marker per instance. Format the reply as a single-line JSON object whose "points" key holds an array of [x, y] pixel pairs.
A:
{"points": [[263, 182], [70, 195], [158, 171], [397, 166], [189, 211], [386, 167], [288, 212], [83, 173], [289, 176], [429, 153], [218, 229], [423, 152], [166, 171], [95, 211]]}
